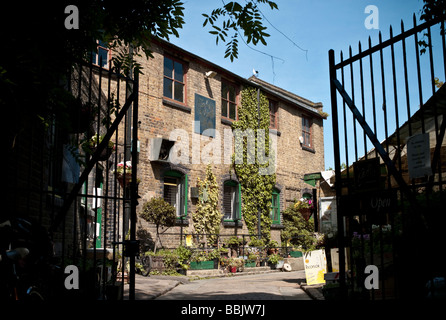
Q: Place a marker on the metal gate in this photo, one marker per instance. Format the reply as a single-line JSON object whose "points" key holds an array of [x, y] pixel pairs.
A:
{"points": [[76, 177], [390, 162]]}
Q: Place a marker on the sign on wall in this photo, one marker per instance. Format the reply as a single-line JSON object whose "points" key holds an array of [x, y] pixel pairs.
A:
{"points": [[204, 116], [418, 156]]}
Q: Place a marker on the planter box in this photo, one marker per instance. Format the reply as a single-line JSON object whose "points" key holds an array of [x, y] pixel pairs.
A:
{"points": [[202, 265], [250, 264], [296, 254], [158, 263]]}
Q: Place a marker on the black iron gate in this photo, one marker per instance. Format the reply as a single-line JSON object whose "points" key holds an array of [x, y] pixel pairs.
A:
{"points": [[76, 176], [390, 162]]}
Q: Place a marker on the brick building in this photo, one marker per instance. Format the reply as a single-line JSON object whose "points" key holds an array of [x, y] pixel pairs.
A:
{"points": [[175, 89]]}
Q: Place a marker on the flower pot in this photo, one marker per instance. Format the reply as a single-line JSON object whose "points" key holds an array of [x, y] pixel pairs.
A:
{"points": [[233, 269]]}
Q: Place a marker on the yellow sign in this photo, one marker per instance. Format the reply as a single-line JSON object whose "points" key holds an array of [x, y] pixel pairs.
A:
{"points": [[315, 264], [189, 240]]}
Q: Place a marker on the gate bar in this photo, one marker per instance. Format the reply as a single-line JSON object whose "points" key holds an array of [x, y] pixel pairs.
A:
{"points": [[386, 43], [338, 185], [84, 176]]}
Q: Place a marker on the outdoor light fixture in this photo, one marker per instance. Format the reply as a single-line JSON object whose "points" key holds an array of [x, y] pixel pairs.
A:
{"points": [[210, 74]]}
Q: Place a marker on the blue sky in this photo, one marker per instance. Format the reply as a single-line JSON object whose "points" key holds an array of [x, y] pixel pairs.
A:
{"points": [[316, 26]]}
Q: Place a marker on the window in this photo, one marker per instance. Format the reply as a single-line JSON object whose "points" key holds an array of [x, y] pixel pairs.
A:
{"points": [[275, 206], [102, 56], [175, 191], [174, 80], [306, 132], [231, 200], [228, 101], [273, 121]]}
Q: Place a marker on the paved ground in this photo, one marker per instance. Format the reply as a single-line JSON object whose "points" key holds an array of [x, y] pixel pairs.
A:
{"points": [[270, 286]]}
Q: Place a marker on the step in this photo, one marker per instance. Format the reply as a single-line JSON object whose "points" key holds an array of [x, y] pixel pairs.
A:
{"points": [[223, 272]]}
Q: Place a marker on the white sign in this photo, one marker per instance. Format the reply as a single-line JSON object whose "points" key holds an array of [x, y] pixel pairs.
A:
{"points": [[315, 264], [334, 253], [418, 156]]}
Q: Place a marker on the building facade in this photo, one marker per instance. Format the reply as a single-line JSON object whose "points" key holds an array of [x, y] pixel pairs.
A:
{"points": [[186, 107]]}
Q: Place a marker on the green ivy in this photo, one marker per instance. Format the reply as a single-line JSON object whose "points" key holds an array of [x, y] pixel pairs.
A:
{"points": [[256, 188], [207, 217]]}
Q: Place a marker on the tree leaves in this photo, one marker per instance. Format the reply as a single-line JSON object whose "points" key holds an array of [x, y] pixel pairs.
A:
{"points": [[235, 19]]}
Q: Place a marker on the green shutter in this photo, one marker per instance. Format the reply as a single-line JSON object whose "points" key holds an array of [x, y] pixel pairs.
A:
{"points": [[239, 207], [275, 207]]}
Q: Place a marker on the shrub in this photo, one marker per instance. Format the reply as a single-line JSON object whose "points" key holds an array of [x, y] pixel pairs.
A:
{"points": [[159, 212], [299, 231]]}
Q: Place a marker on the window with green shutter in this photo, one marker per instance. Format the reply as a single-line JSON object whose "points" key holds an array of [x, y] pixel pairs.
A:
{"points": [[231, 201], [175, 191]]}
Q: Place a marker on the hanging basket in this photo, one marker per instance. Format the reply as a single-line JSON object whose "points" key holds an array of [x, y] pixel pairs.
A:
{"points": [[306, 213], [124, 180]]}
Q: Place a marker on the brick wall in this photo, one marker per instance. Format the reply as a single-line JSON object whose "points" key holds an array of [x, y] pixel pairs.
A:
{"points": [[160, 118]]}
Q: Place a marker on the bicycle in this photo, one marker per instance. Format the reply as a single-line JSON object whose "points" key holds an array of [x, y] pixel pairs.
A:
{"points": [[146, 262]]}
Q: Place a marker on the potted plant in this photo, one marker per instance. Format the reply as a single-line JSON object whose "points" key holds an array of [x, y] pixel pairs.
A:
{"points": [[233, 243], [235, 264], [252, 260], [124, 173], [275, 260], [90, 146], [273, 247]]}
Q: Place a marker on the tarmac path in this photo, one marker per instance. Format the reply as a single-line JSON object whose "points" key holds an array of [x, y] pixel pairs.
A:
{"points": [[268, 286]]}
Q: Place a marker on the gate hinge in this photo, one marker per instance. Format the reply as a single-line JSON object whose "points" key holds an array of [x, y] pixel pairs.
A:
{"points": [[131, 248]]}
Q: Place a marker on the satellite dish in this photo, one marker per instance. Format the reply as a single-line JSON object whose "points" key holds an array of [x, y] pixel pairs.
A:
{"points": [[255, 72]]}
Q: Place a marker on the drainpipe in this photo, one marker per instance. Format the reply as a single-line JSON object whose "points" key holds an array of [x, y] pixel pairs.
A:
{"points": [[258, 126]]}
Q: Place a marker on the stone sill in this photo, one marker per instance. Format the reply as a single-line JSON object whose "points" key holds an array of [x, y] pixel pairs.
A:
{"points": [[176, 105]]}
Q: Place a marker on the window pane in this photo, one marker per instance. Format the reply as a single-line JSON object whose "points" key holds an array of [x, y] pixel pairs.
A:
{"points": [[272, 120], [93, 57], [224, 90], [306, 139], [275, 216], [224, 108], [167, 88], [103, 44], [102, 57], [305, 124], [170, 191], [178, 67], [231, 93], [168, 67], [232, 111], [178, 95]]}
